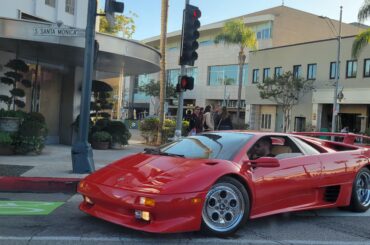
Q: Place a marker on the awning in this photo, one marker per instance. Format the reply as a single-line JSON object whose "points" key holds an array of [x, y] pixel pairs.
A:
{"points": [[17, 36]]}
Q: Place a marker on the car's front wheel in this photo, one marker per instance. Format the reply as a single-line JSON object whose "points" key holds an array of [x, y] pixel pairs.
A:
{"points": [[360, 200], [226, 207]]}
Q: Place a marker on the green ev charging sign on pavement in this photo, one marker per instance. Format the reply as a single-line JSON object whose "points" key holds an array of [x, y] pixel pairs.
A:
{"points": [[28, 207]]}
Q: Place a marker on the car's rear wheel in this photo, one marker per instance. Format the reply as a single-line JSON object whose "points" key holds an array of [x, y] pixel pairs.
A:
{"points": [[226, 207], [360, 200]]}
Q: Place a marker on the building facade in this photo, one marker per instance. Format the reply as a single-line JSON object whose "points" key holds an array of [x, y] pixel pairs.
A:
{"points": [[71, 13], [56, 61], [316, 61], [216, 70]]}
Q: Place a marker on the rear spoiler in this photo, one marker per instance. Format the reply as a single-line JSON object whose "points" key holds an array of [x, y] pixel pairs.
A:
{"points": [[348, 138]]}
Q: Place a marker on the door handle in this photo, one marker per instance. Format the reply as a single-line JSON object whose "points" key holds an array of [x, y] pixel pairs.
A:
{"points": [[341, 161]]}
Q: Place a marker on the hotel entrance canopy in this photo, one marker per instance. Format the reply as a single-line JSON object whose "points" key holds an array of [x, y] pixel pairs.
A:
{"points": [[17, 36]]}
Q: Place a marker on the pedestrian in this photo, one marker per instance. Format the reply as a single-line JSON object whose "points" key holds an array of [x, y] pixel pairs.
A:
{"points": [[201, 113], [195, 123], [208, 123], [225, 120], [345, 130], [216, 113], [187, 115]]}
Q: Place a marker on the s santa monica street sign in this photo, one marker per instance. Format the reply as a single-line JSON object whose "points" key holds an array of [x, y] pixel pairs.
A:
{"points": [[59, 31]]}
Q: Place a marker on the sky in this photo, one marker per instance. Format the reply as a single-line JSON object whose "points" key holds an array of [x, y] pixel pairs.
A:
{"points": [[149, 11]]}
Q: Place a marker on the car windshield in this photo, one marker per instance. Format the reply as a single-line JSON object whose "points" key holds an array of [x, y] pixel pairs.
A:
{"points": [[208, 145]]}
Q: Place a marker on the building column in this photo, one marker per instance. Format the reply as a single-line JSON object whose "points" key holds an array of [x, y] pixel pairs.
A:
{"points": [[316, 116], [247, 119], [121, 84], [252, 115]]}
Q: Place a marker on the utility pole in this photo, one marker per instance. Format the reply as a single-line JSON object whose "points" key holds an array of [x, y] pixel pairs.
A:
{"points": [[82, 155], [336, 84], [180, 106]]}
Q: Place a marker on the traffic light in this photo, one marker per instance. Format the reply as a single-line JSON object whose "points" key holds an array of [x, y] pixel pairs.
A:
{"points": [[190, 34], [111, 7], [185, 83]]}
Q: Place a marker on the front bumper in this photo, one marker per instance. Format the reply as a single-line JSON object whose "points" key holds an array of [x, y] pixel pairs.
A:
{"points": [[171, 213]]}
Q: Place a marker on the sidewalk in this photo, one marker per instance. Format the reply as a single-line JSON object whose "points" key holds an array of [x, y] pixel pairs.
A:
{"points": [[52, 170]]}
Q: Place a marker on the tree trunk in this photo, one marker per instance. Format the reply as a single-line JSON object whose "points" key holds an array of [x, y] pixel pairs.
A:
{"points": [[241, 65], [286, 122], [162, 74]]}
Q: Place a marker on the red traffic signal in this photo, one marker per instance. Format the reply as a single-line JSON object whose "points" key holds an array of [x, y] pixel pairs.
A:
{"points": [[190, 34], [185, 83]]}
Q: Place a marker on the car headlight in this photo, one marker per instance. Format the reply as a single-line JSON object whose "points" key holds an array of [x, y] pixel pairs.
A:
{"points": [[146, 201], [144, 215]]}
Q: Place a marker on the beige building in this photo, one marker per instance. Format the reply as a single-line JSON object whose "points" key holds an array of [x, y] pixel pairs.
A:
{"points": [[316, 61], [279, 26]]}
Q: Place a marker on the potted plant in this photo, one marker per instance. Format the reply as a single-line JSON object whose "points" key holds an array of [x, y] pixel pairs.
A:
{"points": [[100, 140], [30, 139], [120, 134], [13, 78], [10, 120], [6, 143]]}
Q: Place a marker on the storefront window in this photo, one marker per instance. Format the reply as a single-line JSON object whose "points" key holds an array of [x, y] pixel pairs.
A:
{"points": [[311, 71], [278, 72], [221, 75], [70, 6], [351, 70], [173, 75], [297, 71], [367, 68]]}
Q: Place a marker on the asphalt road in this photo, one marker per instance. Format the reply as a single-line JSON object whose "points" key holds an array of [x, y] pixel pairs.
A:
{"points": [[67, 225]]}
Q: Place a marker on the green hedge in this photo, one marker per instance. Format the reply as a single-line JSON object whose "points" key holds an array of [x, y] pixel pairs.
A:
{"points": [[149, 128]]}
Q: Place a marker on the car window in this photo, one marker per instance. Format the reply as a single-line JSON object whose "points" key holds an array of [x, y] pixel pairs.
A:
{"points": [[308, 150], [209, 145], [280, 147]]}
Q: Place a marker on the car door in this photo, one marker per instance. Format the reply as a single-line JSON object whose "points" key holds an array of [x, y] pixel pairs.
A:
{"points": [[341, 167], [288, 186]]}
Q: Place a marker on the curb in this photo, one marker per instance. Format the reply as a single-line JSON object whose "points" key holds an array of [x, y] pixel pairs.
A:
{"points": [[38, 184]]}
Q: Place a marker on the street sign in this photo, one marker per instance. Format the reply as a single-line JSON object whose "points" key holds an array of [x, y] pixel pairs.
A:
{"points": [[57, 31]]}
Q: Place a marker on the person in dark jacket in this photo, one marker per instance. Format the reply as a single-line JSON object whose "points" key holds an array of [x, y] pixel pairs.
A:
{"points": [[195, 123], [224, 121]]}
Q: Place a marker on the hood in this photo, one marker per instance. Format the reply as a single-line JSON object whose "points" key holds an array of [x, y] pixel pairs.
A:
{"points": [[152, 173]]}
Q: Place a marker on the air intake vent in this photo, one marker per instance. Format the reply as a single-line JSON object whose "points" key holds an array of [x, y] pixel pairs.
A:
{"points": [[331, 193]]}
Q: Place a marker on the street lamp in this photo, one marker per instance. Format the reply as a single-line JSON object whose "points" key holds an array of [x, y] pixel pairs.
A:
{"points": [[336, 84]]}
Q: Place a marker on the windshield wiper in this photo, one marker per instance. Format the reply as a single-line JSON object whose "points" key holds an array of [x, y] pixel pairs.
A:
{"points": [[157, 151]]}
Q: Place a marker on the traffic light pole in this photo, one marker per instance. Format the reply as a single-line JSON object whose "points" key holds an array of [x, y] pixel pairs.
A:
{"points": [[180, 107], [82, 155]]}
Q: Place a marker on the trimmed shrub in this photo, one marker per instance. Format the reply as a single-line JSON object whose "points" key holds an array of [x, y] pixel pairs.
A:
{"points": [[5, 139], [149, 128], [101, 136], [120, 133], [31, 134]]}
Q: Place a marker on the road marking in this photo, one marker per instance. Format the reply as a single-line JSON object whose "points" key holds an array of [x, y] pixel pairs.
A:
{"points": [[196, 240], [28, 207]]}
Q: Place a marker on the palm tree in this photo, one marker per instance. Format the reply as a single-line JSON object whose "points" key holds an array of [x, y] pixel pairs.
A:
{"points": [[235, 32], [162, 73], [363, 38]]}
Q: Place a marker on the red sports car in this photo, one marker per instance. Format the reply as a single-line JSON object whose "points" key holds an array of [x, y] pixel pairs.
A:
{"points": [[216, 181]]}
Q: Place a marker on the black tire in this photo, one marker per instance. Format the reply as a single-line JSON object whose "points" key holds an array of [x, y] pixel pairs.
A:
{"points": [[225, 208], [360, 199]]}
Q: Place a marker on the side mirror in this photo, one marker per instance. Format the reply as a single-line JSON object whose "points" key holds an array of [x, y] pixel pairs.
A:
{"points": [[265, 162]]}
